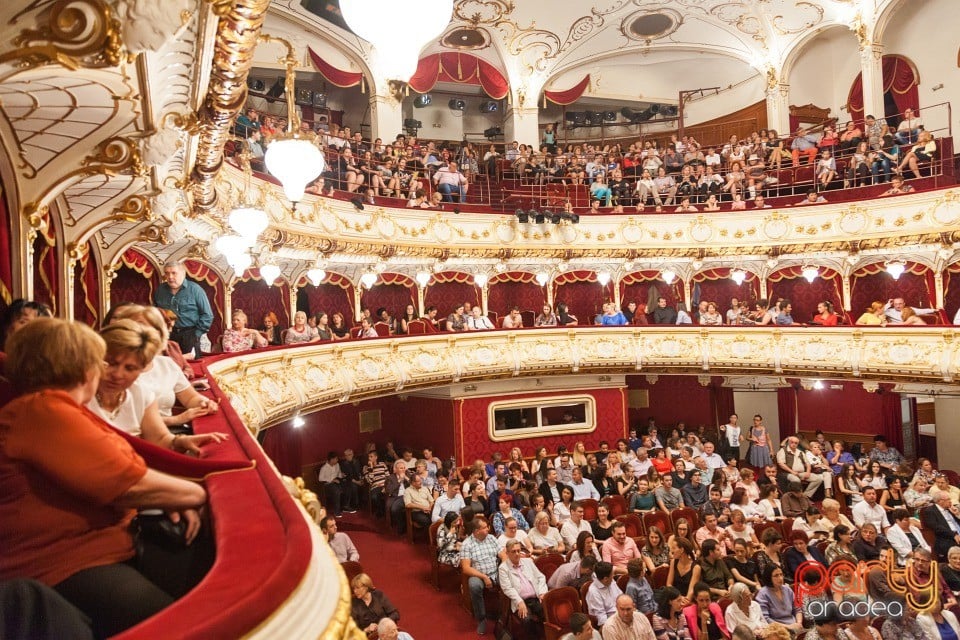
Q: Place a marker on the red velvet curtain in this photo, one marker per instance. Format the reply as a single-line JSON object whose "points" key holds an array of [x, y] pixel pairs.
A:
{"points": [[335, 294], [282, 444], [45, 267], [213, 286], [951, 290], [460, 68], [514, 288], [892, 417], [789, 283], [723, 405], [872, 283], [899, 79], [570, 95], [450, 289], [643, 287], [582, 294], [6, 253], [334, 76], [787, 413], [86, 291], [715, 285], [257, 299], [394, 292]]}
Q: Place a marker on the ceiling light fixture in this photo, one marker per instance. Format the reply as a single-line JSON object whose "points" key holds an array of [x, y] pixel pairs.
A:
{"points": [[248, 221], [397, 29], [480, 280], [293, 157], [423, 278], [368, 279], [316, 276], [269, 272], [543, 278], [668, 276], [896, 268], [738, 276], [298, 422], [810, 273], [603, 277]]}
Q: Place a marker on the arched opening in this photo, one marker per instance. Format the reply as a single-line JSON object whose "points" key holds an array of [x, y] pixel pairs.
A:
{"points": [[900, 81]]}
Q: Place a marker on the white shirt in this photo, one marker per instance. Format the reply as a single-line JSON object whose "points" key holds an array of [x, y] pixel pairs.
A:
{"points": [[584, 490], [520, 535], [898, 539], [863, 512], [569, 531], [329, 473], [732, 433], [639, 467], [479, 324], [602, 601], [714, 461], [165, 379], [130, 413]]}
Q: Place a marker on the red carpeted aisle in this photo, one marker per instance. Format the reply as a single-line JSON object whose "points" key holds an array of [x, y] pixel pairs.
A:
{"points": [[402, 571]]}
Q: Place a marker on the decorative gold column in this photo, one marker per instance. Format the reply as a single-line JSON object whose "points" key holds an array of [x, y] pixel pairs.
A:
{"points": [[484, 295], [846, 292], [358, 291], [938, 288], [293, 301]]}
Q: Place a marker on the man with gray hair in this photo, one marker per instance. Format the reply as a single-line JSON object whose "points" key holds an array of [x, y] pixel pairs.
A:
{"points": [[524, 585], [944, 520], [387, 630], [189, 301]]}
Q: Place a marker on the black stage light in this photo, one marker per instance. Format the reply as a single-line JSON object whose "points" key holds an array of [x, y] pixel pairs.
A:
{"points": [[457, 104], [319, 100], [609, 116], [578, 118], [489, 106], [422, 100], [522, 216], [492, 132], [357, 202], [277, 89], [574, 218], [555, 218], [410, 123], [539, 218], [669, 110], [256, 85]]}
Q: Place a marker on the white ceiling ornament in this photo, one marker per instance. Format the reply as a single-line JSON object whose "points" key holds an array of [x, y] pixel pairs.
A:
{"points": [[161, 147], [147, 25]]}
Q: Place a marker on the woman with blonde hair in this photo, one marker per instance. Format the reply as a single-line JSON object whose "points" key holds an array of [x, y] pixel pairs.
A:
{"points": [[369, 605], [909, 316], [125, 403], [239, 337], [516, 455], [873, 316], [579, 457], [163, 376]]}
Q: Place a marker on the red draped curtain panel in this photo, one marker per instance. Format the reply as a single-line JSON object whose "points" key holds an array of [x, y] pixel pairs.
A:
{"points": [[892, 416], [723, 405], [899, 78], [256, 299], [213, 286], [45, 267], [951, 290], [6, 253], [568, 96], [449, 289], [136, 280], [715, 285], [282, 444], [582, 294], [873, 283], [787, 413], [333, 295], [460, 68], [86, 290], [393, 291], [334, 76], [789, 283], [514, 288]]}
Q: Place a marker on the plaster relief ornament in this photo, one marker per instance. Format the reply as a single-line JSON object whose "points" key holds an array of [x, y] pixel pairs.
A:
{"points": [[159, 148], [147, 25]]}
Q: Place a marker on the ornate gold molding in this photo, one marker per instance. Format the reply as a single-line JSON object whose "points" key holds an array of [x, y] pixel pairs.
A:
{"points": [[267, 388], [77, 33]]}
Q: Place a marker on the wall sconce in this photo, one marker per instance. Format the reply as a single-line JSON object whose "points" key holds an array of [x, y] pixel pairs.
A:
{"points": [[603, 278]]}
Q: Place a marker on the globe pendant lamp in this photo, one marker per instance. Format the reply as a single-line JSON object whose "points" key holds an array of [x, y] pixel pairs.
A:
{"points": [[293, 157], [397, 29]]}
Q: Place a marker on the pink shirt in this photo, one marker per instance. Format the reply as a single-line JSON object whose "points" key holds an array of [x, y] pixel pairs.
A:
{"points": [[618, 555]]}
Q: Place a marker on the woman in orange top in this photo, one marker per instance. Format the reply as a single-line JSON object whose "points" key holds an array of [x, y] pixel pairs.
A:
{"points": [[825, 316], [72, 484], [661, 462]]}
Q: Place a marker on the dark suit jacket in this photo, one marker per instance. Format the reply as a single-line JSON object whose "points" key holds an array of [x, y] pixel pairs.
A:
{"points": [[932, 519], [792, 559], [547, 494], [392, 486]]}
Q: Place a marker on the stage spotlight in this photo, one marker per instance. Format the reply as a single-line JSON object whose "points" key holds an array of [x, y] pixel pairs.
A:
{"points": [[410, 123], [277, 89], [574, 218], [594, 118], [457, 104], [609, 116], [304, 96], [539, 218], [554, 218], [489, 106], [423, 100], [578, 118], [492, 132], [669, 110], [522, 216], [256, 85]]}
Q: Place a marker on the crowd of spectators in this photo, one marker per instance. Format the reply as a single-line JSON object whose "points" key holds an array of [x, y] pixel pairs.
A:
{"points": [[734, 547], [681, 174]]}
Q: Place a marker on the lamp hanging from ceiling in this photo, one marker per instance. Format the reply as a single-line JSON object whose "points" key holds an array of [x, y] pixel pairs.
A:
{"points": [[542, 278], [738, 276], [293, 157], [810, 273], [368, 279], [668, 275], [423, 278], [480, 280], [316, 276], [397, 29], [603, 277], [269, 272], [896, 268]]}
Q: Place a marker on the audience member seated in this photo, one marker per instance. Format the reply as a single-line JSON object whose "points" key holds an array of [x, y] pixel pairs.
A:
{"points": [[776, 600], [448, 540], [479, 554], [943, 519], [524, 585], [301, 332], [704, 617], [239, 337], [72, 483], [125, 403], [744, 610], [627, 624], [669, 621], [369, 604], [601, 599], [339, 542], [580, 628]]}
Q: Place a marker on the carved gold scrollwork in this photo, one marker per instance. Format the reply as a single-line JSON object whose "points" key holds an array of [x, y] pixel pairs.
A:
{"points": [[136, 208], [78, 33], [114, 156], [186, 122]]}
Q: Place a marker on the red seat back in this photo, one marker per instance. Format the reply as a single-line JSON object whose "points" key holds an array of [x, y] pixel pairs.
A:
{"points": [[616, 504]]}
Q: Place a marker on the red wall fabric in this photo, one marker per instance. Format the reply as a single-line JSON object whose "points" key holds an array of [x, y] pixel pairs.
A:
{"points": [[257, 299], [445, 296], [722, 290], [673, 399], [131, 286], [394, 297], [337, 428], [329, 297], [640, 292], [850, 409], [951, 290], [472, 426], [45, 265], [804, 296], [584, 299], [881, 286], [212, 285], [526, 295]]}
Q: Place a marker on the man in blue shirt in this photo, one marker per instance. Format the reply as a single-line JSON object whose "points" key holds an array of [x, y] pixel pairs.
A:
{"points": [[189, 301]]}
